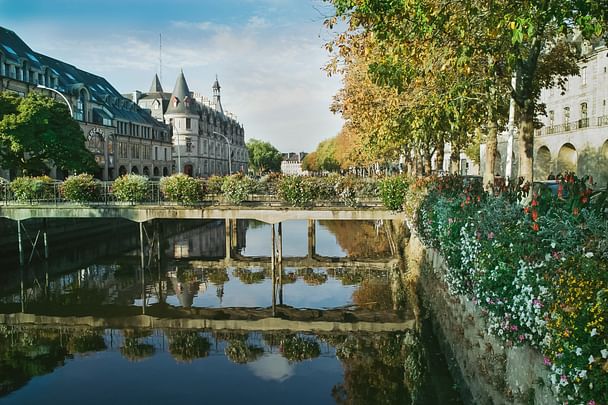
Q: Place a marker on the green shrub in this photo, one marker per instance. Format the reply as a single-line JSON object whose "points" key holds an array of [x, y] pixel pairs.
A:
{"points": [[181, 188], [80, 188], [4, 187], [237, 188], [214, 184], [392, 192], [32, 188], [299, 191], [130, 188], [268, 184]]}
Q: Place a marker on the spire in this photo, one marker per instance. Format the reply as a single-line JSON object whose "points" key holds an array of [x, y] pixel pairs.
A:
{"points": [[180, 101], [217, 104], [156, 87]]}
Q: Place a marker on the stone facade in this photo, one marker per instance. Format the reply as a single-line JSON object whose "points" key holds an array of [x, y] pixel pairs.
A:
{"points": [[123, 137], [291, 164], [203, 134], [574, 133]]}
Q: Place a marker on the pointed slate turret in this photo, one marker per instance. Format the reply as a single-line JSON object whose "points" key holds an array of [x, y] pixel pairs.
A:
{"points": [[217, 104], [156, 87], [181, 101]]}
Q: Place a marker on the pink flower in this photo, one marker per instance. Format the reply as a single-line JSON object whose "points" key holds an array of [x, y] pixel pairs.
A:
{"points": [[522, 338], [491, 235], [591, 402], [546, 361], [513, 328]]}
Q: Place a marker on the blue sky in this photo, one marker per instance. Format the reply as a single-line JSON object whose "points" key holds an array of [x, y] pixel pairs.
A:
{"points": [[268, 54]]}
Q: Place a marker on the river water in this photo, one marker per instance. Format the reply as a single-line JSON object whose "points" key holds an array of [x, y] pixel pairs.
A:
{"points": [[329, 324]]}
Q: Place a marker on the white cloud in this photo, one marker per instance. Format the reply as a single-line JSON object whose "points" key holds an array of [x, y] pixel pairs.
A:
{"points": [[270, 73]]}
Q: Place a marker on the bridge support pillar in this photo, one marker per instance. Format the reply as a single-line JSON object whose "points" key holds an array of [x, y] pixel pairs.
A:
{"points": [[44, 238], [312, 238], [228, 228], [280, 244], [20, 239]]}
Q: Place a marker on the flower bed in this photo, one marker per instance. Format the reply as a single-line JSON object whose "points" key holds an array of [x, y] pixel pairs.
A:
{"points": [[538, 270]]}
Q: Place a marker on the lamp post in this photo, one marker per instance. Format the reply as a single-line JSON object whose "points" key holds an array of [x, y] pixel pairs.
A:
{"points": [[62, 96], [229, 151]]}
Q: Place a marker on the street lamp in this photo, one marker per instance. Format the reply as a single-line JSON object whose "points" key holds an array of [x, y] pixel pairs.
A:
{"points": [[62, 96], [229, 151]]}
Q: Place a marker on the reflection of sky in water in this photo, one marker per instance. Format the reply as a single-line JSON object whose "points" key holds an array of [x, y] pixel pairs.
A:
{"points": [[107, 377], [295, 240], [331, 294]]}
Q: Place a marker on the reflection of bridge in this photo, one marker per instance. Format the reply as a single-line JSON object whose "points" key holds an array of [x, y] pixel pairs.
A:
{"points": [[291, 262], [309, 321]]}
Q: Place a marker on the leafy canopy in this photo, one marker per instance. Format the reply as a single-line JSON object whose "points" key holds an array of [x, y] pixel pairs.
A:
{"points": [[36, 132], [263, 157]]}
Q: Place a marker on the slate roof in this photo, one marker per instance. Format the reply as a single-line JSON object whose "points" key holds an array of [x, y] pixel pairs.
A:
{"points": [[181, 101], [71, 80]]}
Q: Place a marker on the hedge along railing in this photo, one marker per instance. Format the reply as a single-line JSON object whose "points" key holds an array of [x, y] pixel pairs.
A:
{"points": [[51, 192]]}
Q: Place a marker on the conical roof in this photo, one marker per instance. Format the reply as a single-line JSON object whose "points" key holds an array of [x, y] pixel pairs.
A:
{"points": [[156, 87], [181, 101], [216, 84]]}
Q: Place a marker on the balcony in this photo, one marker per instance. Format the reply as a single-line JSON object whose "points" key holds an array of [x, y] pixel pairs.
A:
{"points": [[583, 123]]}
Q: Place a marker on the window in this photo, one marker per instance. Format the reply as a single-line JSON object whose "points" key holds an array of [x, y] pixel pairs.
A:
{"points": [[551, 118], [584, 121], [566, 114], [188, 123], [584, 75], [188, 144]]}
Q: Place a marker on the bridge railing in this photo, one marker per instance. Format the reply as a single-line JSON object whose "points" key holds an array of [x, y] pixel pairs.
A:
{"points": [[51, 193]]}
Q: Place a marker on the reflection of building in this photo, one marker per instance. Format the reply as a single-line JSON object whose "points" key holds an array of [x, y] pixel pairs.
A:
{"points": [[292, 164], [201, 129], [574, 135], [123, 137], [206, 241]]}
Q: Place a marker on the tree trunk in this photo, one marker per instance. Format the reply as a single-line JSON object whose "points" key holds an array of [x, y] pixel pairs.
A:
{"points": [[440, 155], [525, 142], [454, 160], [491, 146], [428, 162]]}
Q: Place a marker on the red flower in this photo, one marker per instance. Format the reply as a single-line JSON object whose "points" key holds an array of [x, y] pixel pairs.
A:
{"points": [[575, 211], [534, 203], [534, 215], [526, 210], [535, 227]]}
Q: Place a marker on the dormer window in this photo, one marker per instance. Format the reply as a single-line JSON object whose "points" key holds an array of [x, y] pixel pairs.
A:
{"points": [[175, 102], [187, 101]]}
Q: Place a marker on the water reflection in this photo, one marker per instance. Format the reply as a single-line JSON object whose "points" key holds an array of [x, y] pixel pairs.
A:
{"points": [[180, 312], [377, 367]]}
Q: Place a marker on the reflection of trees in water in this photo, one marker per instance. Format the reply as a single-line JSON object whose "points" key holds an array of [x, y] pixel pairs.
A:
{"points": [[373, 294], [188, 345], [379, 369], [359, 238], [133, 348], [240, 352], [217, 276], [27, 354], [312, 277], [249, 276], [298, 348], [85, 341]]}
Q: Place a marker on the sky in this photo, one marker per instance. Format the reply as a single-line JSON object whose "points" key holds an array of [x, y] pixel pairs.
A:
{"points": [[267, 54]]}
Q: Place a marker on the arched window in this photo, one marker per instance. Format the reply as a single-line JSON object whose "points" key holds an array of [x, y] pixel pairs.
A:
{"points": [[567, 159], [542, 164]]}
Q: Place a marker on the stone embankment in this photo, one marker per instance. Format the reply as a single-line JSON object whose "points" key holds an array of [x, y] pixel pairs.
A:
{"points": [[487, 372]]}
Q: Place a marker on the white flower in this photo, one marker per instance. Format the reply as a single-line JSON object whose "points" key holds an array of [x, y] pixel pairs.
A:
{"points": [[593, 332], [582, 374], [604, 353], [589, 255], [579, 351], [591, 359]]}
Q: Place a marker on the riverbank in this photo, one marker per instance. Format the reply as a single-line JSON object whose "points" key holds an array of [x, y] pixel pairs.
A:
{"points": [[485, 370]]}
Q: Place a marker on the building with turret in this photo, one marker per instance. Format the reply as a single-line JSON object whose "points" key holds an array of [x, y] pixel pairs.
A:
{"points": [[206, 140], [123, 137]]}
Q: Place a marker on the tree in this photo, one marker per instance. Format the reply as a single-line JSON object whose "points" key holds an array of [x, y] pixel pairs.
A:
{"points": [[36, 133], [263, 157]]}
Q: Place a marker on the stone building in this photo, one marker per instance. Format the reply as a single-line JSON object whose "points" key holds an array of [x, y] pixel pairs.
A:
{"points": [[123, 137], [574, 132], [206, 140], [291, 163]]}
